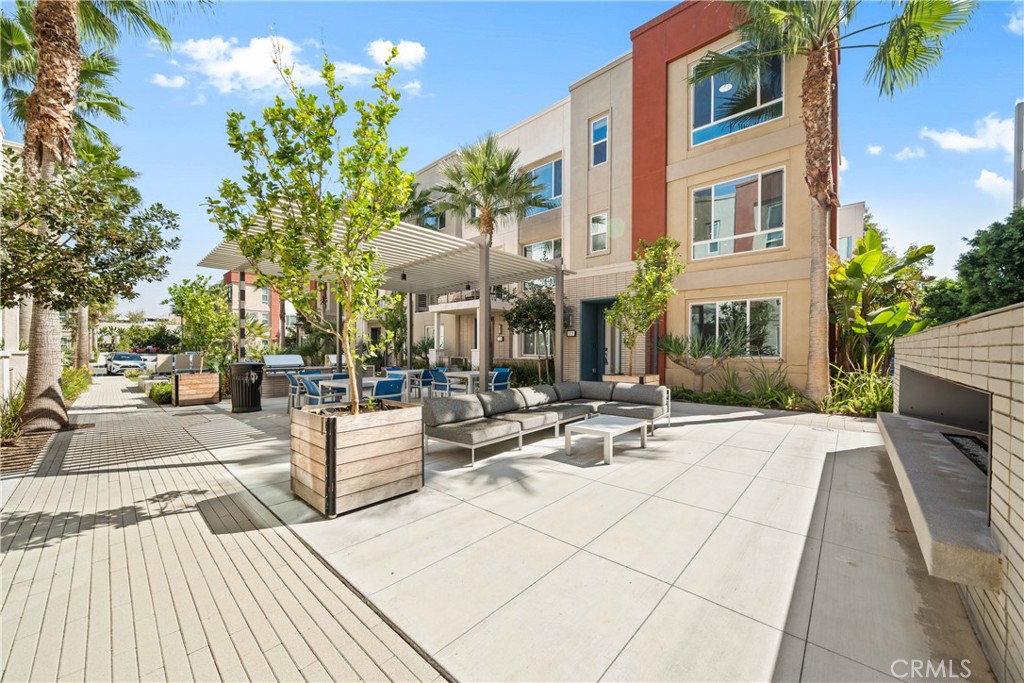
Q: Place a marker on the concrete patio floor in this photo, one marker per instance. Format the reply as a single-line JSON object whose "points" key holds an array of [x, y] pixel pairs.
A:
{"points": [[740, 545]]}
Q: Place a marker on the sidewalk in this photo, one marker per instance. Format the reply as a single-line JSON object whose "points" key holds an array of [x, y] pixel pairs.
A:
{"points": [[130, 553]]}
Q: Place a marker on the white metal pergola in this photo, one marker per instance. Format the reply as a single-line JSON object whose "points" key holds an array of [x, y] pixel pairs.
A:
{"points": [[422, 261]]}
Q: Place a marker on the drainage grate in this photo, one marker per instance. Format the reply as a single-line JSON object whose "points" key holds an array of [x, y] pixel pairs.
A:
{"points": [[974, 448]]}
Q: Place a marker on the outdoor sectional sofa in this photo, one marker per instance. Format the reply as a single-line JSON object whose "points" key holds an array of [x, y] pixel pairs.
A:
{"points": [[478, 420]]}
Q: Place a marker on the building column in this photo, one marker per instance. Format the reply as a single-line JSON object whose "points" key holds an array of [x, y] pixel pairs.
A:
{"points": [[483, 334], [241, 315], [411, 305], [437, 337], [556, 343]]}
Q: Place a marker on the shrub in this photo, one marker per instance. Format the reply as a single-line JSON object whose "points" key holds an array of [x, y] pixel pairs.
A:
{"points": [[763, 387], [11, 423], [74, 381], [524, 374], [160, 393], [861, 393], [132, 374]]}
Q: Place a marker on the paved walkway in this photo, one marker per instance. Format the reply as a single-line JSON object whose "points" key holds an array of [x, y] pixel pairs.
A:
{"points": [[130, 553]]}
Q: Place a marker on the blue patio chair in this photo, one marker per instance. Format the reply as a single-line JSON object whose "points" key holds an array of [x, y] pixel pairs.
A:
{"points": [[499, 379], [295, 390], [389, 389], [316, 396], [443, 384], [423, 381], [393, 368]]}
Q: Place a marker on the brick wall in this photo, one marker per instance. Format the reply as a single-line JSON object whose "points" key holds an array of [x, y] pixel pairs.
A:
{"points": [[986, 352]]}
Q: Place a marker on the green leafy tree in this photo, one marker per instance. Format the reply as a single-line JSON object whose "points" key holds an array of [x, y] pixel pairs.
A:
{"points": [[991, 271], [909, 46], [870, 301], [206, 317], [646, 298], [534, 312], [483, 185], [395, 320], [310, 204], [944, 301]]}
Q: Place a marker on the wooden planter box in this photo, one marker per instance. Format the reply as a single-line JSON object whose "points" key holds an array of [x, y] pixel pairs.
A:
{"points": [[342, 462], [195, 388], [632, 379]]}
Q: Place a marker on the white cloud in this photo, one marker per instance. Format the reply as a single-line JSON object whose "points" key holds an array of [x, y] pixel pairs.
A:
{"points": [[874, 150], [908, 153], [1016, 23], [168, 81], [843, 163], [231, 67], [990, 132], [199, 100], [410, 53], [994, 184], [413, 88]]}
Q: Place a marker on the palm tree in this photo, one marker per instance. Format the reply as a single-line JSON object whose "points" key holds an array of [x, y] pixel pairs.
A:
{"points": [[483, 184], [419, 206], [910, 45], [49, 122]]}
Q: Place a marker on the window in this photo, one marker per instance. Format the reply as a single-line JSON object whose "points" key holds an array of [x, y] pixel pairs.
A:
{"points": [[846, 247], [422, 303], [761, 319], [549, 177], [598, 233], [266, 318], [542, 251], [722, 106], [436, 220], [535, 344], [265, 296], [599, 141], [428, 332], [739, 215]]}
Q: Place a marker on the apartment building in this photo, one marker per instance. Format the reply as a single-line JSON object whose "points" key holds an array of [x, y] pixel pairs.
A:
{"points": [[635, 153], [262, 303]]}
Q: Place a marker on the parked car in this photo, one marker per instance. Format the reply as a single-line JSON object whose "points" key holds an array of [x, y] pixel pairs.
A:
{"points": [[119, 362]]}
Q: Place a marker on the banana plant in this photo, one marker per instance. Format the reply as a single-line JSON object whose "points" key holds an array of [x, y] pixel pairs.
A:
{"points": [[870, 300]]}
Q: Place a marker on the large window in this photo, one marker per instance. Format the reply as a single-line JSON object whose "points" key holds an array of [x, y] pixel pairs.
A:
{"points": [[549, 177], [598, 233], [737, 216], [599, 141], [428, 332], [759, 319], [536, 344], [265, 296], [542, 251], [722, 106], [435, 220]]}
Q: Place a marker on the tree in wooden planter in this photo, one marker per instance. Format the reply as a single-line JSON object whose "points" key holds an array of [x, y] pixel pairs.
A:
{"points": [[646, 299], [206, 324], [309, 202]]}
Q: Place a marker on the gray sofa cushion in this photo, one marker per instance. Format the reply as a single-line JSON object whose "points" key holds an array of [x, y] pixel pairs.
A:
{"points": [[539, 395], [601, 391], [564, 411], [495, 402], [440, 411], [647, 394], [567, 391], [634, 410], [530, 419], [591, 404], [473, 432]]}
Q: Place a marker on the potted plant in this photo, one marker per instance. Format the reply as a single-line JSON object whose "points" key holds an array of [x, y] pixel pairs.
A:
{"points": [[351, 455], [205, 322], [645, 300]]}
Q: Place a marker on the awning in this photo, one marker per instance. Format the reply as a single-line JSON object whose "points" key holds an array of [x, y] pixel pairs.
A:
{"points": [[418, 261]]}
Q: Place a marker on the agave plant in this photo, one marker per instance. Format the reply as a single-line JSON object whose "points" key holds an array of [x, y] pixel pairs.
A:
{"points": [[702, 355]]}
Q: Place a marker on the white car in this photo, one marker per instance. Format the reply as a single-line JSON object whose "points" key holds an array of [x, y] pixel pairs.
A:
{"points": [[119, 362]]}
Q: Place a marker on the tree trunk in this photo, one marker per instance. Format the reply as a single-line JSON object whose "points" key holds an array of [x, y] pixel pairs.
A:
{"points": [[83, 350], [816, 98], [24, 321], [49, 118]]}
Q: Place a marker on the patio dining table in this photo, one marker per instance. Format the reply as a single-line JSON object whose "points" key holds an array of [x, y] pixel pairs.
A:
{"points": [[368, 383], [471, 377]]}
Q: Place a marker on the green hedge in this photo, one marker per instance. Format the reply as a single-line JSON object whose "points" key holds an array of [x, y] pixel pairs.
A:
{"points": [[161, 393]]}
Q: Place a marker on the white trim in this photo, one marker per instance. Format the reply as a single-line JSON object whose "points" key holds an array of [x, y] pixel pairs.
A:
{"points": [[780, 99], [607, 138], [718, 302], [757, 216]]}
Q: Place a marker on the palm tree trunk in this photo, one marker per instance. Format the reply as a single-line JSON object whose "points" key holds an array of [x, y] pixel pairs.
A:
{"points": [[816, 98], [49, 118], [83, 349]]}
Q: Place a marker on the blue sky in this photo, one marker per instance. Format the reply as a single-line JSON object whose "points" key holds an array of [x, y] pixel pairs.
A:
{"points": [[934, 164]]}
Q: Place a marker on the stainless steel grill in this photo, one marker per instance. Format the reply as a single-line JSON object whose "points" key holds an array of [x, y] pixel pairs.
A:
{"points": [[278, 364]]}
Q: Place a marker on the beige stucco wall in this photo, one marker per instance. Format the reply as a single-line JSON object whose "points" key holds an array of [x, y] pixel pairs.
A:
{"points": [[780, 272], [986, 352]]}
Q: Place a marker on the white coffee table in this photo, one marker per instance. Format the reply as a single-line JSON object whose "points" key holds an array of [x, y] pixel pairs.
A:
{"points": [[608, 426]]}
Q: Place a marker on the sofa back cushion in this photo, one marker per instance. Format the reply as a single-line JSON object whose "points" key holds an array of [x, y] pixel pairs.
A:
{"points": [[538, 395], [645, 394], [596, 391], [495, 402], [567, 391], [442, 411]]}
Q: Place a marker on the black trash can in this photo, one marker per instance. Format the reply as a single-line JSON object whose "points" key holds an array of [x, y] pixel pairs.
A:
{"points": [[246, 384]]}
